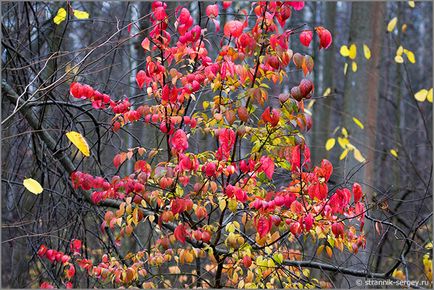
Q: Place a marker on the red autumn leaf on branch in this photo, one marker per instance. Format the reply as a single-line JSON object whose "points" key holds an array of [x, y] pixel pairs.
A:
{"points": [[140, 78], [46, 285], [325, 37], [357, 192], [308, 222], [185, 21], [42, 250], [212, 11], [75, 247], [263, 226], [306, 37], [267, 165], [179, 141], [272, 118], [233, 28], [70, 271], [227, 4], [327, 169], [338, 229], [297, 5], [180, 233]]}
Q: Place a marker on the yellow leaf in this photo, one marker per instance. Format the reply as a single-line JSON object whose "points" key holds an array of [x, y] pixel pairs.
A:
{"points": [[399, 59], [366, 51], [32, 185], [81, 14], [358, 123], [354, 66], [394, 152], [319, 250], [400, 50], [392, 23], [353, 51], [330, 144], [344, 154], [410, 56], [222, 204], [428, 246], [345, 68], [327, 92], [404, 27], [358, 156], [429, 96], [78, 140], [329, 251], [343, 142], [344, 132], [411, 4], [60, 16], [421, 95], [398, 274], [344, 51]]}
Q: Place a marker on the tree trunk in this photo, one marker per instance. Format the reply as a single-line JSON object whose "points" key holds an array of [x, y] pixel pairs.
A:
{"points": [[362, 88], [322, 108]]}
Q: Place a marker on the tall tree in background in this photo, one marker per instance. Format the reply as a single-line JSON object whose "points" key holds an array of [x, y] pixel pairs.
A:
{"points": [[361, 90], [322, 108]]}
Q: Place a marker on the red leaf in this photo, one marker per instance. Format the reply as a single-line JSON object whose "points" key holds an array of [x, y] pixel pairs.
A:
{"points": [[357, 192], [145, 43], [178, 205], [180, 233], [75, 246], [267, 165], [233, 28], [212, 11], [306, 37], [338, 229], [325, 37], [140, 78], [327, 169], [297, 5], [42, 250], [179, 141], [272, 118], [296, 207], [263, 226], [46, 285], [70, 272], [308, 222], [227, 4]]}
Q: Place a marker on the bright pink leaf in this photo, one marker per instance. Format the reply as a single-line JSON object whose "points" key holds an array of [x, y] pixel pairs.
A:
{"points": [[140, 78]]}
